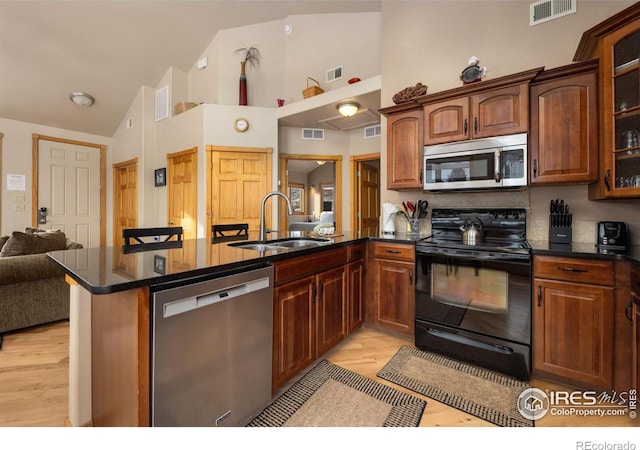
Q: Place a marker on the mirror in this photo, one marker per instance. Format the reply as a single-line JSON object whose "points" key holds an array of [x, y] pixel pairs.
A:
{"points": [[313, 185]]}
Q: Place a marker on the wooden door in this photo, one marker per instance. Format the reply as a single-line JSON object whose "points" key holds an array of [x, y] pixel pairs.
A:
{"points": [[293, 330], [368, 200], [125, 198], [69, 186], [500, 111], [446, 121], [331, 309], [394, 295], [182, 170], [239, 179], [573, 332], [564, 129], [404, 150]]}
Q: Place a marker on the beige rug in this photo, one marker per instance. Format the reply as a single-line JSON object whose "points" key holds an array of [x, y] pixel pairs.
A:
{"points": [[477, 391], [331, 396]]}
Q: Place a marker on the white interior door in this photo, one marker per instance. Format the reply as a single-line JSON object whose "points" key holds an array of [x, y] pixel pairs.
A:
{"points": [[69, 187]]}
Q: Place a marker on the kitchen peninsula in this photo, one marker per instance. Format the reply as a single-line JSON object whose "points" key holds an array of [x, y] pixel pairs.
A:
{"points": [[111, 317]]}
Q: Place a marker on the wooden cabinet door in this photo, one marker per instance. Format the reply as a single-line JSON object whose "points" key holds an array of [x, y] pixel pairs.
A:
{"points": [[331, 314], [355, 295], [394, 295], [293, 330], [446, 121], [564, 129], [573, 332], [500, 111], [635, 378], [404, 150]]}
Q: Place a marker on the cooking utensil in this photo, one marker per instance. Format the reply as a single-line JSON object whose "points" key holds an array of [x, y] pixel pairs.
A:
{"points": [[423, 209]]}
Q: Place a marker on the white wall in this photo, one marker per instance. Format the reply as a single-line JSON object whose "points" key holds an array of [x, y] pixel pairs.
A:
{"points": [[16, 159]]}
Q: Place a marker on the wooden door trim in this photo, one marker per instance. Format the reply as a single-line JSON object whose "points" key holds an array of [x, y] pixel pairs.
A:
{"points": [[35, 157], [209, 182], [336, 159], [354, 165]]}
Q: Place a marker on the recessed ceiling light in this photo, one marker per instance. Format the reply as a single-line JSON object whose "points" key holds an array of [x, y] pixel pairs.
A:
{"points": [[81, 99]]}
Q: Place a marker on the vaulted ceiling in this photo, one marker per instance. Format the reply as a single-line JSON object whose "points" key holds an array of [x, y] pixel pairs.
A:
{"points": [[49, 49]]}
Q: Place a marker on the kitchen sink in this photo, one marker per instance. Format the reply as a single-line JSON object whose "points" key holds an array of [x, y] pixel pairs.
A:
{"points": [[280, 244]]}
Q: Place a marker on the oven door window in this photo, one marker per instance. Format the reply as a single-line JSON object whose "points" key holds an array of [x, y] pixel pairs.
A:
{"points": [[469, 167], [476, 288]]}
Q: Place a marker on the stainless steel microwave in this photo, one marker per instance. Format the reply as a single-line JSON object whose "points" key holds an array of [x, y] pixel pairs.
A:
{"points": [[490, 163]]}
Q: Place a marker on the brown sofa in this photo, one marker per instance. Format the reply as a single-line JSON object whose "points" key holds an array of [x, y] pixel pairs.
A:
{"points": [[33, 290]]}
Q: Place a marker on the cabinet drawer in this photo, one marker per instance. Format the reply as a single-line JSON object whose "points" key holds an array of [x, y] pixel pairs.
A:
{"points": [[302, 266], [589, 271], [398, 252], [355, 252]]}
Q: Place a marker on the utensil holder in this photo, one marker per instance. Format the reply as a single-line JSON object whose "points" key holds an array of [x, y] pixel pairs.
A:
{"points": [[560, 235], [413, 226]]}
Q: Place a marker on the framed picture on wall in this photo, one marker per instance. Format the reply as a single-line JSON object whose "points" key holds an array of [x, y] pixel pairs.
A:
{"points": [[159, 264], [161, 176]]}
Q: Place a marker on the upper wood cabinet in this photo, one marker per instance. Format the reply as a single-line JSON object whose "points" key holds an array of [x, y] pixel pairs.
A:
{"points": [[491, 113], [563, 140], [616, 41], [484, 109], [404, 147]]}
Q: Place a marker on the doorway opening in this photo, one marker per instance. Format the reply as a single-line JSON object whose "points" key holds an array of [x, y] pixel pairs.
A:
{"points": [[319, 179], [364, 176]]}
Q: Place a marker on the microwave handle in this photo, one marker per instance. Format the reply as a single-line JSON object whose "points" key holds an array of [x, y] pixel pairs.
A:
{"points": [[496, 164]]}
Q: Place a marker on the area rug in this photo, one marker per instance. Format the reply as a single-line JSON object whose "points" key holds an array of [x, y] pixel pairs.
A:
{"points": [[485, 394], [331, 396]]}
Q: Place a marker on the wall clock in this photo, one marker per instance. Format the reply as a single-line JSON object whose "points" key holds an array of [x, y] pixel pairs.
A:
{"points": [[241, 124]]}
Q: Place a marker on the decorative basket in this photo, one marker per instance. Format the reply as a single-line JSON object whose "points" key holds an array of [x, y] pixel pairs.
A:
{"points": [[407, 94], [310, 91], [183, 106]]}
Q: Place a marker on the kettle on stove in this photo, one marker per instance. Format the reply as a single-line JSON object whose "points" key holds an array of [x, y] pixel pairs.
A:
{"points": [[472, 235]]}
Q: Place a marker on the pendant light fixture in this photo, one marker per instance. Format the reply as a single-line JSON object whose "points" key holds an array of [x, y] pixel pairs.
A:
{"points": [[348, 108], [81, 99]]}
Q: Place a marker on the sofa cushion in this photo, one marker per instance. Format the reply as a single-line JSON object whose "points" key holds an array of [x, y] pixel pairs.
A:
{"points": [[30, 244]]}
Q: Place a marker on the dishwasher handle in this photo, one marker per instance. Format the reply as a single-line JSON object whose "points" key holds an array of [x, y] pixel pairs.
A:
{"points": [[184, 305]]}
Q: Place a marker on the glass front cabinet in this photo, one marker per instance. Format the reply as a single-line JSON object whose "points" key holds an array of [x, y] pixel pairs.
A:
{"points": [[616, 41]]}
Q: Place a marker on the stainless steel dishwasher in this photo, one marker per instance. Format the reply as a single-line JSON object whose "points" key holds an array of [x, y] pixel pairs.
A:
{"points": [[211, 349]]}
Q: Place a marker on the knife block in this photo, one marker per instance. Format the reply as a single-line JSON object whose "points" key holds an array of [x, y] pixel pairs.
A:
{"points": [[559, 235]]}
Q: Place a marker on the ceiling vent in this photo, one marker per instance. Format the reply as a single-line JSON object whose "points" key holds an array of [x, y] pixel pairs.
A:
{"points": [[316, 134], [162, 103], [546, 10], [373, 131], [334, 74]]}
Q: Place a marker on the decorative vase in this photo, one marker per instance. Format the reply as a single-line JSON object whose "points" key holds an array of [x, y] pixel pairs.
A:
{"points": [[243, 85]]}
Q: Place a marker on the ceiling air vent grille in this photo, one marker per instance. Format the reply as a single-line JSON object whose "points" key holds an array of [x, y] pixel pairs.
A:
{"points": [[334, 74], [162, 103], [313, 133], [546, 10], [372, 131]]}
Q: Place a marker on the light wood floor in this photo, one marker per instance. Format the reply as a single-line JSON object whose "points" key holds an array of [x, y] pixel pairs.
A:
{"points": [[34, 380]]}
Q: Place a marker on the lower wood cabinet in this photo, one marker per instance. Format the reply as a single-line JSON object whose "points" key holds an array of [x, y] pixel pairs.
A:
{"points": [[393, 286], [317, 303], [573, 320], [635, 339]]}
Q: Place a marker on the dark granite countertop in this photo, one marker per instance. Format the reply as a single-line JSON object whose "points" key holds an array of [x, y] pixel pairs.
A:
{"points": [[104, 270], [584, 250]]}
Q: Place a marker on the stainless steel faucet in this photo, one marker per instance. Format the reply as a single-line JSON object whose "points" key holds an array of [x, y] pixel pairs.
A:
{"points": [[263, 226]]}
